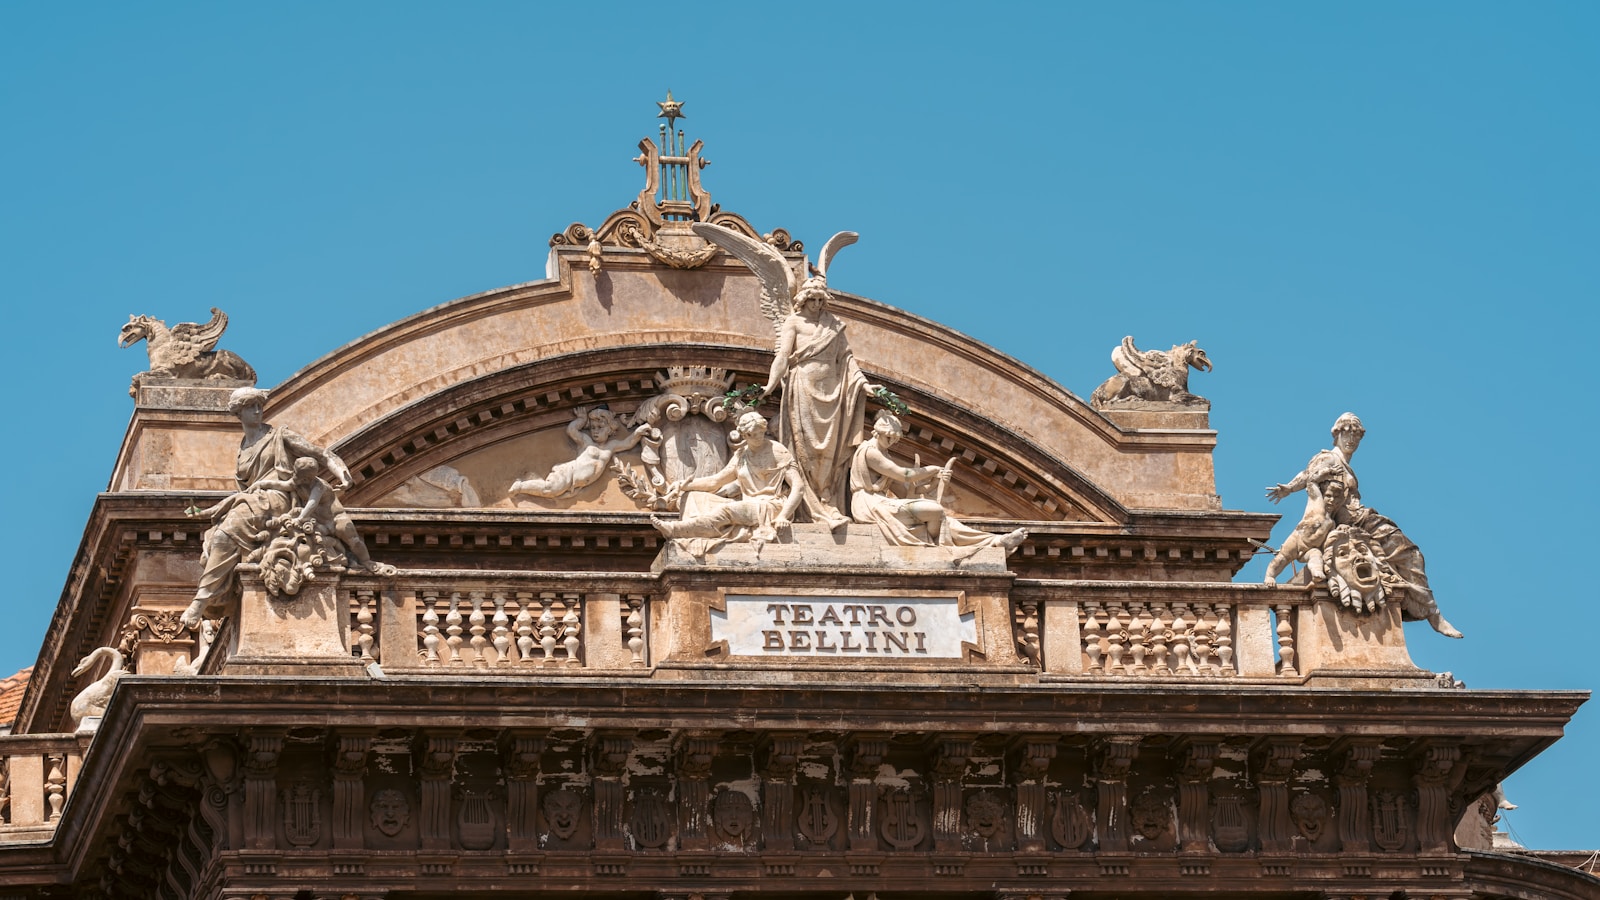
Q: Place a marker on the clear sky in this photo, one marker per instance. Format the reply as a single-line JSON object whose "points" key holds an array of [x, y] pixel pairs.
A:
{"points": [[1387, 208]]}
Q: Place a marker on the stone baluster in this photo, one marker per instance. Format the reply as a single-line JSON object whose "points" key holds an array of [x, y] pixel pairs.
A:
{"points": [[547, 626], [1284, 613], [1026, 626], [432, 641], [571, 623], [1117, 636], [1202, 641], [55, 785], [1092, 636], [1182, 636], [502, 630], [1033, 801], [1224, 639], [525, 628], [366, 606], [1274, 766], [1160, 637], [452, 630], [633, 627], [1112, 760], [478, 625], [1138, 639], [1355, 827]]}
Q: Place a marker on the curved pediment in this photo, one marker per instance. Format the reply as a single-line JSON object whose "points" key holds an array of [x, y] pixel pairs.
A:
{"points": [[501, 372], [498, 428]]}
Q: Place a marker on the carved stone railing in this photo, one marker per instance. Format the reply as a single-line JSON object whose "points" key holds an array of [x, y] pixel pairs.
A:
{"points": [[436, 621], [37, 774], [1102, 629]]}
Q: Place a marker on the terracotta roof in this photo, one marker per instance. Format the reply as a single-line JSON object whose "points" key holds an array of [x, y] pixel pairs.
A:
{"points": [[11, 691]]}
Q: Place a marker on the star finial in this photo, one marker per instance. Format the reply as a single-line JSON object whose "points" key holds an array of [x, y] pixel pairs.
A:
{"points": [[670, 109]]}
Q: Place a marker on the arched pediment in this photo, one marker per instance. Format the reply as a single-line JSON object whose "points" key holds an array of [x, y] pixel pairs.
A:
{"points": [[506, 364], [494, 428]]}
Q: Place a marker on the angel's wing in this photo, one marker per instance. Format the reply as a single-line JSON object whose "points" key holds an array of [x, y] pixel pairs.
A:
{"points": [[1126, 358], [777, 279], [195, 339], [836, 243]]}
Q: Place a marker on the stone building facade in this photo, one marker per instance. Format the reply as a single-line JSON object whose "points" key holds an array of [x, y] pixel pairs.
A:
{"points": [[598, 635]]}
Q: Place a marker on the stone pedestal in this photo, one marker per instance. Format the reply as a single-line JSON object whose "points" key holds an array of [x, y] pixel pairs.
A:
{"points": [[307, 634], [1160, 417], [838, 600], [1332, 641]]}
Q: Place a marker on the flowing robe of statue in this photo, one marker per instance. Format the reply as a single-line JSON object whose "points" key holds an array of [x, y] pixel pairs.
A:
{"points": [[270, 458], [710, 520], [872, 504], [823, 413]]}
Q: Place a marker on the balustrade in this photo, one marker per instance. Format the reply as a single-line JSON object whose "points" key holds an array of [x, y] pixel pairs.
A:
{"points": [[513, 622], [1115, 629], [37, 774]]}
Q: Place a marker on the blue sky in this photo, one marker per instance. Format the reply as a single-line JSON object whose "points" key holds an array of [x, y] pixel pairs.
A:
{"points": [[1387, 208]]}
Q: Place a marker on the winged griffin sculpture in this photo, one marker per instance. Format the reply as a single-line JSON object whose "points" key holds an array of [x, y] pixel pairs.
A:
{"points": [[822, 413], [185, 350], [1148, 378]]}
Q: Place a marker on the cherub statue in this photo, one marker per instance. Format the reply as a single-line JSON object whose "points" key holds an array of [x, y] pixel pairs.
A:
{"points": [[911, 520], [822, 414], [593, 431], [1323, 496], [185, 350], [770, 490]]}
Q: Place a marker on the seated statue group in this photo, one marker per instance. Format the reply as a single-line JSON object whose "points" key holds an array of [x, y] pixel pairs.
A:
{"points": [[823, 461], [1362, 558], [285, 517]]}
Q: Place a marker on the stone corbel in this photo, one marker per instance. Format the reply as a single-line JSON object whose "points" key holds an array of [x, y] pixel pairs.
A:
{"points": [[349, 788], [948, 766], [865, 754], [1033, 802], [782, 758], [436, 762], [1113, 758], [695, 752], [1356, 758], [521, 756], [1196, 759], [608, 761], [262, 749], [1274, 760], [1438, 768]]}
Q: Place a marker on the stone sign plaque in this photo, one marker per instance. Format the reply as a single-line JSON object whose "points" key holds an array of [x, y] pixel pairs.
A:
{"points": [[844, 626]]}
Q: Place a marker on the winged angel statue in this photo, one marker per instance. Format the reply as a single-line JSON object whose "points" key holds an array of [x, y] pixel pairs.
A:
{"points": [[822, 412]]}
